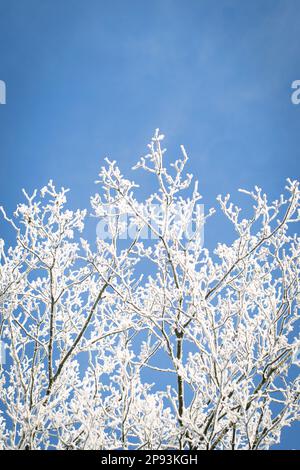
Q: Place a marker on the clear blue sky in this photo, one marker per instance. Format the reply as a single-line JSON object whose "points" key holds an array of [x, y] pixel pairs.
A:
{"points": [[88, 79]]}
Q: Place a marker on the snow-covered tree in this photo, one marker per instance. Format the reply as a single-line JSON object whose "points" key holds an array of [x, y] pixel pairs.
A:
{"points": [[143, 339]]}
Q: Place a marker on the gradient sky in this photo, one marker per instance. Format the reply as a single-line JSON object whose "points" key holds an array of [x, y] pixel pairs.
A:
{"points": [[88, 79]]}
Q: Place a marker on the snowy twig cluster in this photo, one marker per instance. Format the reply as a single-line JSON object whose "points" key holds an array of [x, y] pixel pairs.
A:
{"points": [[149, 344]]}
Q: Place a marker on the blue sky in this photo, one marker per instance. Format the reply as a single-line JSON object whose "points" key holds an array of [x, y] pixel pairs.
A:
{"points": [[88, 79]]}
